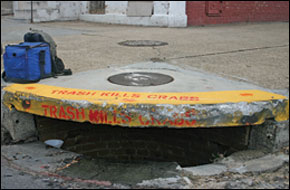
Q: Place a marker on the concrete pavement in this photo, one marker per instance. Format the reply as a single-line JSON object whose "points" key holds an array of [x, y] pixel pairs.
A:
{"points": [[253, 52], [256, 53], [33, 165], [94, 46]]}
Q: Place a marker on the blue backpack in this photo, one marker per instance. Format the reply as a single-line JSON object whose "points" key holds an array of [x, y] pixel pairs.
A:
{"points": [[33, 60], [27, 62]]}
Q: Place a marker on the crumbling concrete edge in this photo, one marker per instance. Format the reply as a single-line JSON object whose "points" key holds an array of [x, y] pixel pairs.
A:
{"points": [[20, 126], [16, 126], [149, 114], [270, 137], [233, 164]]}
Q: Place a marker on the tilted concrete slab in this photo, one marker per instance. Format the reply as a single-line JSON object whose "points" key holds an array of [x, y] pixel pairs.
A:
{"points": [[193, 99]]}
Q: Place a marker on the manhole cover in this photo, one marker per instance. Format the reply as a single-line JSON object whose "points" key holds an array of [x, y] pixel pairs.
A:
{"points": [[140, 79], [142, 43]]}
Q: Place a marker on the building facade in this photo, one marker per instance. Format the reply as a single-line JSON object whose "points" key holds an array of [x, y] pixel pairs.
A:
{"points": [[222, 12], [154, 13]]}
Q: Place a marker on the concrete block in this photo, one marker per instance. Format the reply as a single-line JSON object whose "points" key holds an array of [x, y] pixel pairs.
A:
{"points": [[267, 163], [270, 137], [19, 125]]}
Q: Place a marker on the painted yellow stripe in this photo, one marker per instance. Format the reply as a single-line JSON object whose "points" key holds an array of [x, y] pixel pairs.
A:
{"points": [[110, 107], [117, 97]]}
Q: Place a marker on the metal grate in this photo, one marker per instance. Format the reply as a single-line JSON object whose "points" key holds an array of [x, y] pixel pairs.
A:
{"points": [[140, 79]]}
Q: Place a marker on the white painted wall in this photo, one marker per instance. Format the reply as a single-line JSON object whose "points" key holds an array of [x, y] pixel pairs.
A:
{"points": [[84, 9], [48, 10], [177, 14], [166, 13], [116, 7]]}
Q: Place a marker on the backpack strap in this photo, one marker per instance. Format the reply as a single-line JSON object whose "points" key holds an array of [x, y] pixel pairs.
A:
{"points": [[42, 63]]}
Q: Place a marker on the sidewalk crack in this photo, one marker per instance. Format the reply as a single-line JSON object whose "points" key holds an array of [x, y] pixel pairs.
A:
{"points": [[228, 52]]}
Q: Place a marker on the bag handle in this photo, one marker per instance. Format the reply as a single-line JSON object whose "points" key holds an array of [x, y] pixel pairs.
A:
{"points": [[39, 45], [29, 47]]}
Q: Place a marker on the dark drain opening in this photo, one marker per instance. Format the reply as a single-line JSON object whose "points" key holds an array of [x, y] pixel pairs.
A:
{"points": [[140, 79], [187, 147]]}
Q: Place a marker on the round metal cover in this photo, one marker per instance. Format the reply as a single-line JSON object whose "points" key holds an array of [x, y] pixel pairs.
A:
{"points": [[140, 79], [143, 43]]}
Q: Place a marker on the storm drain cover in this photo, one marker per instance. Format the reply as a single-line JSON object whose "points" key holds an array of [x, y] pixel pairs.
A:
{"points": [[140, 79], [142, 43]]}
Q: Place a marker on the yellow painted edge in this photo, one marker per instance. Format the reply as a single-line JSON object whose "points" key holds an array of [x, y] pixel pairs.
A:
{"points": [[117, 97], [43, 104]]}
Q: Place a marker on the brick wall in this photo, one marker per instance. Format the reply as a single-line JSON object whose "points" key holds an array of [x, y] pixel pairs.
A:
{"points": [[221, 12], [185, 146]]}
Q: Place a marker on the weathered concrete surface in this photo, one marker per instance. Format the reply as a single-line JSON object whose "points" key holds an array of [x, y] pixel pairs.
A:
{"points": [[176, 182], [16, 126], [20, 125], [39, 159], [185, 80], [267, 163], [193, 99], [205, 170], [12, 178], [58, 167], [127, 173], [254, 161], [37, 156], [13, 30], [258, 53], [241, 162], [242, 156], [271, 136]]}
